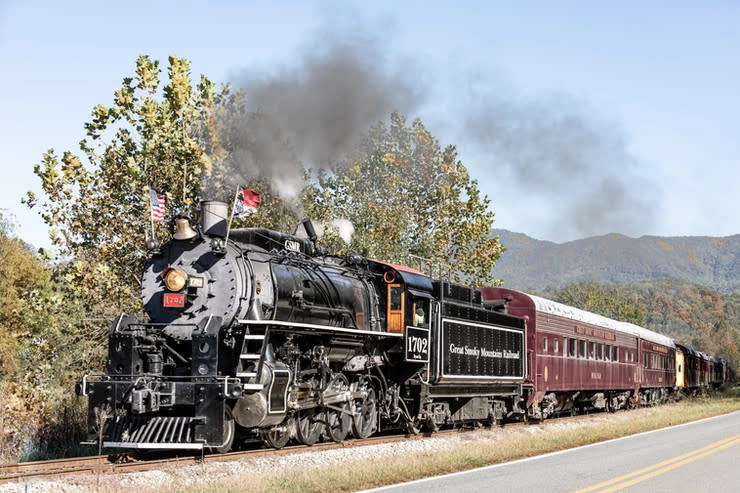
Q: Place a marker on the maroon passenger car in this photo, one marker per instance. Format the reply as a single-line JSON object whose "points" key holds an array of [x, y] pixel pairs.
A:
{"points": [[577, 359]]}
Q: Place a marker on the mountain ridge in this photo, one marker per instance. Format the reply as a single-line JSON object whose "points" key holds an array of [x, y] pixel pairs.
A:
{"points": [[614, 258]]}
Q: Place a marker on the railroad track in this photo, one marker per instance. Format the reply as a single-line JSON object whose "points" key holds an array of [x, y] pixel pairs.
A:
{"points": [[104, 464]]}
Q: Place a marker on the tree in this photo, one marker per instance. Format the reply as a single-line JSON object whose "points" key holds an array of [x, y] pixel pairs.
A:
{"points": [[403, 193], [25, 279], [40, 348], [405, 197], [97, 204], [609, 301]]}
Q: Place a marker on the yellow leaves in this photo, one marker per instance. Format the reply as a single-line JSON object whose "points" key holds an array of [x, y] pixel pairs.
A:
{"points": [[149, 111], [132, 166], [217, 150], [147, 73], [356, 167], [206, 91], [665, 246], [29, 199], [49, 172], [74, 172], [206, 163], [422, 135], [100, 112], [396, 159], [179, 90]]}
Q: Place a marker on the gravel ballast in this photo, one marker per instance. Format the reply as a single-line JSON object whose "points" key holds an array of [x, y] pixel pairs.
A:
{"points": [[193, 475]]}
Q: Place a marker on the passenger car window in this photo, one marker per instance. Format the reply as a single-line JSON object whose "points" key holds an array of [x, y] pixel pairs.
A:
{"points": [[616, 354], [544, 344], [572, 347], [581, 348], [592, 350], [608, 352], [601, 351]]}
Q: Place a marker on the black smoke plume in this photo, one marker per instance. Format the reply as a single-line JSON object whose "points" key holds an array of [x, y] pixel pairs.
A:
{"points": [[314, 113], [555, 151]]}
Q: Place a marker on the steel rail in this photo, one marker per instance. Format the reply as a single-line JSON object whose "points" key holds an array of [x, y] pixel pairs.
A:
{"points": [[122, 463]]}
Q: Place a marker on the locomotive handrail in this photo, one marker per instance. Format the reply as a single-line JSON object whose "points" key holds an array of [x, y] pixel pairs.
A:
{"points": [[300, 325]]}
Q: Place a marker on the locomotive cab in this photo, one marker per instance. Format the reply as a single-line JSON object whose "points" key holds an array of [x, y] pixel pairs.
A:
{"points": [[404, 296]]}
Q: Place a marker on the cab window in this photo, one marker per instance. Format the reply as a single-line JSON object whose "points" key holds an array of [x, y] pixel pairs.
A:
{"points": [[421, 312], [395, 298]]}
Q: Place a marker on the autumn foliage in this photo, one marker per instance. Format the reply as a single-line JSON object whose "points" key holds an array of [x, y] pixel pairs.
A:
{"points": [[406, 196]]}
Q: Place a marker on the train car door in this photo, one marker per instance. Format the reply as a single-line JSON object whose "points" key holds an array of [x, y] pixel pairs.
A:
{"points": [[396, 308], [680, 367]]}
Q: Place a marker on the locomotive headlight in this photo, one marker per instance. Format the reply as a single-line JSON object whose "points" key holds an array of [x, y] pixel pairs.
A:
{"points": [[175, 279]]}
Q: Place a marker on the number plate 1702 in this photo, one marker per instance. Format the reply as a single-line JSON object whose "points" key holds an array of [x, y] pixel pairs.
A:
{"points": [[417, 344]]}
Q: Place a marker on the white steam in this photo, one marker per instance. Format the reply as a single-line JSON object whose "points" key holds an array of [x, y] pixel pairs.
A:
{"points": [[345, 229]]}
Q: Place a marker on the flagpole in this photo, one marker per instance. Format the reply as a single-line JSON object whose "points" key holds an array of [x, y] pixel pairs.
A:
{"points": [[149, 193], [151, 214], [231, 216]]}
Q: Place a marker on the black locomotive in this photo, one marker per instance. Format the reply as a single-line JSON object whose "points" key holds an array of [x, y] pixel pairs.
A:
{"points": [[263, 333]]}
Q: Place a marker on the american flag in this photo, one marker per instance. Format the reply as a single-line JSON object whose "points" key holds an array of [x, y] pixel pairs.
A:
{"points": [[158, 203], [247, 201]]}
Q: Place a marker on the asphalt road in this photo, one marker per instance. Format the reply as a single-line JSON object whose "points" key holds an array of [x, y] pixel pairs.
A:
{"points": [[696, 457]]}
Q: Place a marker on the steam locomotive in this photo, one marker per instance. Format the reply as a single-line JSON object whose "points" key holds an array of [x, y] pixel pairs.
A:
{"points": [[257, 332]]}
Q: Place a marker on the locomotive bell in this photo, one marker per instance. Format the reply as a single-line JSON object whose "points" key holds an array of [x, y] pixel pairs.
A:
{"points": [[183, 230]]}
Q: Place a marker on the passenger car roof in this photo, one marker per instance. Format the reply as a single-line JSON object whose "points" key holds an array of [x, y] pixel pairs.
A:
{"points": [[549, 306]]}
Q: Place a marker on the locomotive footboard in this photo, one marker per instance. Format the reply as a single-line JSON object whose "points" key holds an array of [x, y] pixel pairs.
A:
{"points": [[159, 413]]}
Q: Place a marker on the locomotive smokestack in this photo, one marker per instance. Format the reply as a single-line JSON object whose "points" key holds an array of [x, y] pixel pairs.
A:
{"points": [[310, 231], [213, 215]]}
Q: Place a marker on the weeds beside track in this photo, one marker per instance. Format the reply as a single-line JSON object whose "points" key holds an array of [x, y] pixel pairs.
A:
{"points": [[512, 442]]}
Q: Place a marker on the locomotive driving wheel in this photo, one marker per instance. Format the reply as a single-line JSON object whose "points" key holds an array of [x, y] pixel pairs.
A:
{"points": [[365, 419], [338, 422], [309, 424], [276, 437], [338, 416]]}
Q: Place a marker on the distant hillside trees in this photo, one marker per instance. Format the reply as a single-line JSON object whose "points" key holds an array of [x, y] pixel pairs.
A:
{"points": [[617, 259], [610, 301]]}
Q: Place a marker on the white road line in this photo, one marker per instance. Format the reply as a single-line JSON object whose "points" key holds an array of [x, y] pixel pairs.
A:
{"points": [[543, 456]]}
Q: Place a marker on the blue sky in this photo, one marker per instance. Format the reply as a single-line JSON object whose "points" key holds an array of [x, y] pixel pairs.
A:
{"points": [[654, 86]]}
